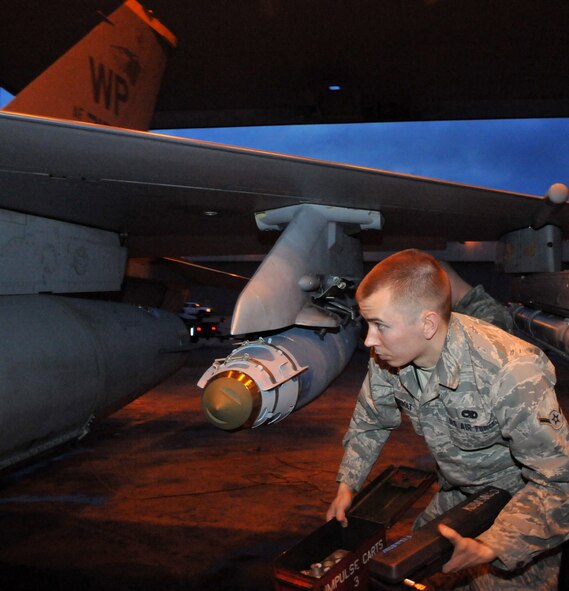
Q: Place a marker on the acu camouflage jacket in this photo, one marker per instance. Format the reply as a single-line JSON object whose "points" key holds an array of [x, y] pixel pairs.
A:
{"points": [[490, 416]]}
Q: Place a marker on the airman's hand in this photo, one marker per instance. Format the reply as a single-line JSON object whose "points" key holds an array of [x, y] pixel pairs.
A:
{"points": [[341, 504], [467, 551]]}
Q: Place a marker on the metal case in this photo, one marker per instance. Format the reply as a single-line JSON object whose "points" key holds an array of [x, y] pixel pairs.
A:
{"points": [[334, 558]]}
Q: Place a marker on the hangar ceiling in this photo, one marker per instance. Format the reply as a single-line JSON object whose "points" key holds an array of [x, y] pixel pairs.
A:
{"points": [[270, 62]]}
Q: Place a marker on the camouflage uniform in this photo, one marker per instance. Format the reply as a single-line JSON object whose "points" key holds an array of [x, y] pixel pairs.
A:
{"points": [[479, 304], [490, 416]]}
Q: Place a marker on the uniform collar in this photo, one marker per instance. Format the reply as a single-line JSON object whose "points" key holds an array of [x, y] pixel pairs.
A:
{"points": [[453, 355], [447, 369]]}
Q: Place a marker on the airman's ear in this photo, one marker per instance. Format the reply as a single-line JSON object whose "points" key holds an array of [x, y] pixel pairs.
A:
{"points": [[431, 323]]}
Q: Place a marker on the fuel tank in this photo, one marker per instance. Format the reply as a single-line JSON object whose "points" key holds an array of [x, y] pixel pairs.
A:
{"points": [[66, 361]]}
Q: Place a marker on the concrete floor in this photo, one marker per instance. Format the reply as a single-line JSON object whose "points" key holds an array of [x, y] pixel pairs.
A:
{"points": [[157, 499]]}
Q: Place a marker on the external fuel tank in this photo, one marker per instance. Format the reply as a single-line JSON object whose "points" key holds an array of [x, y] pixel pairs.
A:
{"points": [[67, 361]]}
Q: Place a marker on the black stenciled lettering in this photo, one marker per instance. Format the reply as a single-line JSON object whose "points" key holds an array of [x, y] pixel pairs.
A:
{"points": [[102, 82], [121, 92], [108, 86]]}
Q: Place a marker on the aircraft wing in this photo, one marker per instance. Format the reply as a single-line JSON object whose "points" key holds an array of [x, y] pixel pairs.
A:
{"points": [[156, 189]]}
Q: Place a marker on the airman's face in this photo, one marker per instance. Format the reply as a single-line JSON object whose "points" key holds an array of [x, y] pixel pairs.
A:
{"points": [[394, 334]]}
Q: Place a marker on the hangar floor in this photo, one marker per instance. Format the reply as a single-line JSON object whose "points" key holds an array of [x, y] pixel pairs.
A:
{"points": [[157, 499]]}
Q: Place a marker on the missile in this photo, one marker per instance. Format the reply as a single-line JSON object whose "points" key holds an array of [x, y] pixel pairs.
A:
{"points": [[553, 201], [264, 380]]}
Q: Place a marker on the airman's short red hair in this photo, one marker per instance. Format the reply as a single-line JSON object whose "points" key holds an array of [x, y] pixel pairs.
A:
{"points": [[416, 281]]}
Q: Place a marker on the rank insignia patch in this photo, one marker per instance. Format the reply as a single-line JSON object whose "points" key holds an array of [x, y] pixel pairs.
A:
{"points": [[554, 419]]}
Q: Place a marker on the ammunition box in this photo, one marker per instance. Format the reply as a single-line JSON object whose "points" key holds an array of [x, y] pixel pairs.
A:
{"points": [[336, 558]]}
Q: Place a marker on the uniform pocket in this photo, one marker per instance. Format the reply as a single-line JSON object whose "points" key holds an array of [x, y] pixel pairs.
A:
{"points": [[471, 425]]}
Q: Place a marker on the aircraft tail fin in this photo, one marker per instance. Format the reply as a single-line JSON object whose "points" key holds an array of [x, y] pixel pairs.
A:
{"points": [[111, 77]]}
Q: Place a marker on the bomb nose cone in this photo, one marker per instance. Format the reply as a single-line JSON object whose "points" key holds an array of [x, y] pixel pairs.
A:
{"points": [[228, 401]]}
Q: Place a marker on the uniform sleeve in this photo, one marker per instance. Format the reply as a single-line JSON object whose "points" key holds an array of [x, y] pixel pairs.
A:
{"points": [[376, 414], [481, 305], [537, 517]]}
